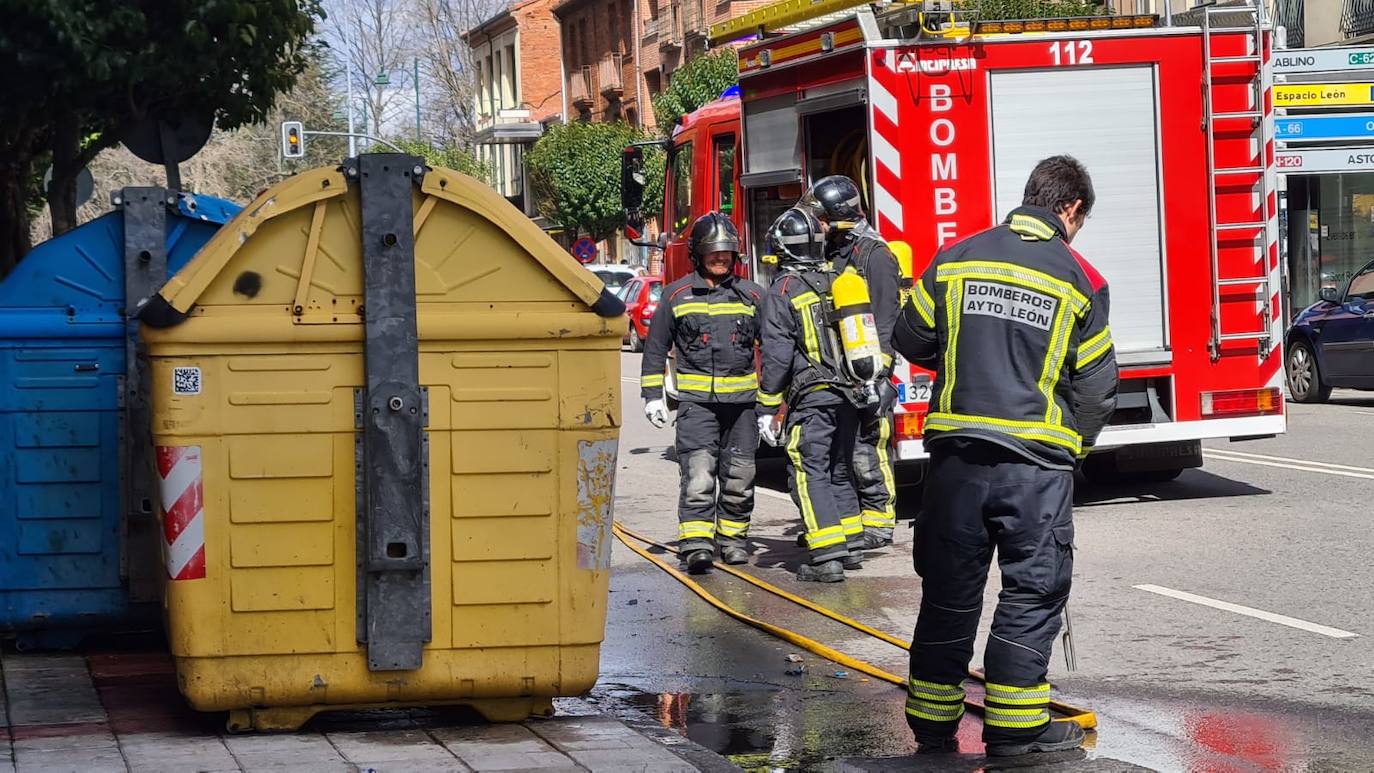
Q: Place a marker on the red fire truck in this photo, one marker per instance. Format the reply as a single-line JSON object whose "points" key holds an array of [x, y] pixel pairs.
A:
{"points": [[941, 121]]}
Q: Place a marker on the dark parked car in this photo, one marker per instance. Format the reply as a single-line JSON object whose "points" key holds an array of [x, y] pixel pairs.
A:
{"points": [[641, 296], [1331, 343]]}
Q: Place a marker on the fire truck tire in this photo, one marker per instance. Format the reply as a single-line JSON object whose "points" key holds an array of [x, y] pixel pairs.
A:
{"points": [[1304, 378], [1103, 470], [636, 343]]}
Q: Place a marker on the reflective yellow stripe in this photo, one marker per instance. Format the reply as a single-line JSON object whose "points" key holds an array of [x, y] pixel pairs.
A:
{"points": [[803, 494], [852, 525], [925, 305], [696, 382], [1026, 430], [770, 399], [1025, 224], [997, 271], [728, 528], [824, 538], [651, 381], [995, 720], [932, 714], [803, 304], [1054, 363], [995, 690], [937, 691], [885, 466], [712, 309], [876, 520], [1092, 349], [954, 296], [696, 530], [1031, 700]]}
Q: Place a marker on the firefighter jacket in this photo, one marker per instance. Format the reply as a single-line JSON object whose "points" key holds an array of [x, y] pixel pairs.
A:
{"points": [[864, 249], [714, 330], [1014, 322], [800, 362]]}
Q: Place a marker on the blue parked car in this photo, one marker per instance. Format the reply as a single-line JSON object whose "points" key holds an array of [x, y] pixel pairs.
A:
{"points": [[74, 546], [1331, 342]]}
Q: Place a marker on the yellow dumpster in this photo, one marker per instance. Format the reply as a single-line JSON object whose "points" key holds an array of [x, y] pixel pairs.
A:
{"points": [[386, 407]]}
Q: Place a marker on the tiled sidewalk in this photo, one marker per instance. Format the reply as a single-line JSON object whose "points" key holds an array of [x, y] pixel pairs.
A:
{"points": [[122, 712]]}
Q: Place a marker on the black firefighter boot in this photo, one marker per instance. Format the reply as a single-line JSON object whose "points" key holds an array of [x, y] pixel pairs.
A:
{"points": [[825, 571], [731, 554], [698, 561], [1055, 737]]}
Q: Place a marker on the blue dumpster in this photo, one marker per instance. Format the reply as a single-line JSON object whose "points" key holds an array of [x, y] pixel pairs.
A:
{"points": [[78, 521]]}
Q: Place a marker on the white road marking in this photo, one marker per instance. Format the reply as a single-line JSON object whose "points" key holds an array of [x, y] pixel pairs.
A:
{"points": [[1366, 413], [1291, 622], [1301, 465], [630, 380]]}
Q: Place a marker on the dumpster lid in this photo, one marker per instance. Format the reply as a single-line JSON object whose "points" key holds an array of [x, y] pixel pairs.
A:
{"points": [[303, 191]]}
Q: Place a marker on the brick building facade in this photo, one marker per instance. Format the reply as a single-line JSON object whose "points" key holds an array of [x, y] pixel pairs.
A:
{"points": [[519, 89]]}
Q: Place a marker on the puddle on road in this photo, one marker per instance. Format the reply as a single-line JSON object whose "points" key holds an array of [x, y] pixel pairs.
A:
{"points": [[772, 729]]}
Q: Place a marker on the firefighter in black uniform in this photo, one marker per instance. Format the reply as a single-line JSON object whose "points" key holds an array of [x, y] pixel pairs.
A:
{"points": [[711, 318], [851, 241], [801, 367], [1014, 322]]}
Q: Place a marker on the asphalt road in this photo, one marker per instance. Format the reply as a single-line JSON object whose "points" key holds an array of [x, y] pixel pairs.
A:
{"points": [[1222, 621]]}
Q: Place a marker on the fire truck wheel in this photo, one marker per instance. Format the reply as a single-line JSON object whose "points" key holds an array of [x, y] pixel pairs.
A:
{"points": [[1304, 380]]}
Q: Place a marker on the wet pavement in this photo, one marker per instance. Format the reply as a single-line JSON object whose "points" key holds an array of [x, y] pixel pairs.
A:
{"points": [[1174, 686]]}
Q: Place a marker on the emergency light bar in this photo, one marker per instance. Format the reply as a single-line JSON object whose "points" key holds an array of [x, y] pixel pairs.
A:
{"points": [[1066, 24]]}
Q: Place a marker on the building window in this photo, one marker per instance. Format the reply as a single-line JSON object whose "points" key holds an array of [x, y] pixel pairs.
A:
{"points": [[725, 173], [1357, 18], [682, 187]]}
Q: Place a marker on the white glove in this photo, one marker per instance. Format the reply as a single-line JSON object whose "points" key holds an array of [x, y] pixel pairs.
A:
{"points": [[768, 431], [656, 412]]}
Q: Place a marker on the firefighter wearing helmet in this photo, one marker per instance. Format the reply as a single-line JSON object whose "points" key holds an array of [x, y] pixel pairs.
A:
{"points": [[852, 242], [802, 367], [1014, 323], [710, 320]]}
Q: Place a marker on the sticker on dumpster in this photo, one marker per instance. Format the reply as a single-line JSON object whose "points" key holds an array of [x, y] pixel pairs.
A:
{"points": [[595, 502], [183, 509], [185, 381]]}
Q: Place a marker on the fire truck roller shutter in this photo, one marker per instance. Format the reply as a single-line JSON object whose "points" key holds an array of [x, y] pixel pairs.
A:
{"points": [[1108, 119]]}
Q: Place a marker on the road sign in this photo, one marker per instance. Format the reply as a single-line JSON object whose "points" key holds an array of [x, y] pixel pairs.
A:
{"points": [[1323, 59], [1323, 94], [1337, 126], [584, 250], [1325, 161]]}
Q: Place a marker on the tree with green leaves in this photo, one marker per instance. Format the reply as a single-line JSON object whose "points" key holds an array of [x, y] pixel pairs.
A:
{"points": [[703, 79], [574, 172], [80, 73], [448, 156]]}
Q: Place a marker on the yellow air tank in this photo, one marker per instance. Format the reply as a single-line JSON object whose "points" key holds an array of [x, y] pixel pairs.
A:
{"points": [[902, 252], [863, 353]]}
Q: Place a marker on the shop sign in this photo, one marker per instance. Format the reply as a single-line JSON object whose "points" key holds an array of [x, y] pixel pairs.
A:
{"points": [[1325, 161], [1323, 94], [1300, 60], [1342, 126]]}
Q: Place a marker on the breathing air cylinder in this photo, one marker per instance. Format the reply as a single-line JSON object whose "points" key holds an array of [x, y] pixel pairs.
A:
{"points": [[863, 353], [902, 252]]}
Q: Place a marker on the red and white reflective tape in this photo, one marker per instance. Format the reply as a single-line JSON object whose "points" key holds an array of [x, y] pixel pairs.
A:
{"points": [[183, 507]]}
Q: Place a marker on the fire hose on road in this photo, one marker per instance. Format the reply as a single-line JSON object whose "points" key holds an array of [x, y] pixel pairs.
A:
{"points": [[1069, 713]]}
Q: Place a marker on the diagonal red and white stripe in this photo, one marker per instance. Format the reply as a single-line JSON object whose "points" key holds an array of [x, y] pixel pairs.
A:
{"points": [[183, 507]]}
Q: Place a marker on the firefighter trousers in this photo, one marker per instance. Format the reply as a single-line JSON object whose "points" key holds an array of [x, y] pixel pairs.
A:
{"points": [[980, 496], [820, 446], [716, 443], [873, 473]]}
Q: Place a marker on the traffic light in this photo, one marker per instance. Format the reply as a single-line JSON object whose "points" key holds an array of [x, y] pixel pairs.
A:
{"points": [[292, 139]]}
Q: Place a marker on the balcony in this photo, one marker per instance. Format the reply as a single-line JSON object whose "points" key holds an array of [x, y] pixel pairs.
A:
{"points": [[611, 75], [1357, 18], [669, 29], [580, 92], [693, 22], [651, 28]]}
